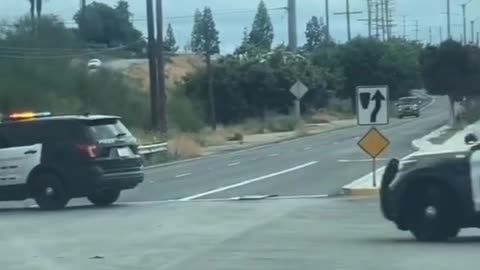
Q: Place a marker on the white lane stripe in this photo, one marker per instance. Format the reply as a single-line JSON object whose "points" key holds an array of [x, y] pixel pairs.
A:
{"points": [[307, 148], [182, 175], [274, 155], [233, 164], [250, 181], [361, 160]]}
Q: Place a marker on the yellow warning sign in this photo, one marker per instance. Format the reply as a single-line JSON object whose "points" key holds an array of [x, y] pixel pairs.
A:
{"points": [[374, 143]]}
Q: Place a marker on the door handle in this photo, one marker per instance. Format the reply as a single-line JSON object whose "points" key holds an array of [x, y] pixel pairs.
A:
{"points": [[30, 152]]}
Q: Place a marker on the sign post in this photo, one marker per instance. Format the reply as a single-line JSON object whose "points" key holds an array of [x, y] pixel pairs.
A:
{"points": [[298, 90], [373, 110]]}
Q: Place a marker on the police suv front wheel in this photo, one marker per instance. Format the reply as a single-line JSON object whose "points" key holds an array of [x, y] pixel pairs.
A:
{"points": [[432, 214], [104, 197], [48, 192]]}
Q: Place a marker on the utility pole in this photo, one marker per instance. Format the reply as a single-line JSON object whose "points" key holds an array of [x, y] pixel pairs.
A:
{"points": [[162, 97], [387, 17], [404, 27], [478, 39], [369, 7], [377, 18], [449, 28], [327, 19], [416, 30], [430, 38], [382, 7], [152, 62], [83, 5], [440, 34], [292, 24], [348, 13], [472, 25], [464, 7]]}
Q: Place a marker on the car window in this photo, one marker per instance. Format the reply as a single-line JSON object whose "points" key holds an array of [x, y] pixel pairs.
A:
{"points": [[107, 129]]}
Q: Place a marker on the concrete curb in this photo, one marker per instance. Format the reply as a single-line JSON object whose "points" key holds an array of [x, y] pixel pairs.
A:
{"points": [[361, 192]]}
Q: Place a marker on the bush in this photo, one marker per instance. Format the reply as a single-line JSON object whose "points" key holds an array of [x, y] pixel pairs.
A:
{"points": [[281, 124], [183, 114]]}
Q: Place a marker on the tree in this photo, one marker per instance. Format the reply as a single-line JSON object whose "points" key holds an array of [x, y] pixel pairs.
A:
{"points": [[205, 41], [261, 35], [170, 44], [450, 69], [315, 33], [197, 32], [103, 24]]}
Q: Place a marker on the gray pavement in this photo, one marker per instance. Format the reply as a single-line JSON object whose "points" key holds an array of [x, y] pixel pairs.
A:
{"points": [[270, 234], [250, 172]]}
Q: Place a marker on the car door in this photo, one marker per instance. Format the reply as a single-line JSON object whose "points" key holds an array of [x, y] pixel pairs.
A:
{"points": [[16, 163]]}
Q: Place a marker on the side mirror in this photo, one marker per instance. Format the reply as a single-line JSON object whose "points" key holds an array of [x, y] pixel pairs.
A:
{"points": [[471, 139]]}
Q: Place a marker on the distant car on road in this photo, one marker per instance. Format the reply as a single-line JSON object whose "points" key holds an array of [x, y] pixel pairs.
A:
{"points": [[434, 195], [55, 158], [408, 106], [94, 64]]}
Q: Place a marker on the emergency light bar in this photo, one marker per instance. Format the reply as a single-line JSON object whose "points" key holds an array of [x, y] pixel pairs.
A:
{"points": [[28, 115]]}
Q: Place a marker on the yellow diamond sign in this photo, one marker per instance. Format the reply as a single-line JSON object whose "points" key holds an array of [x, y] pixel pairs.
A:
{"points": [[374, 143]]}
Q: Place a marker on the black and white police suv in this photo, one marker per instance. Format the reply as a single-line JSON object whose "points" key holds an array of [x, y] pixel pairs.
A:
{"points": [[55, 158], [433, 195]]}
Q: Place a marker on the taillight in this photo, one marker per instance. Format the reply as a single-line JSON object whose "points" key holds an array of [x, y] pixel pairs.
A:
{"points": [[90, 150]]}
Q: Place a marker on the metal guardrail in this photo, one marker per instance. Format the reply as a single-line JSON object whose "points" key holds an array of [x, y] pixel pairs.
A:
{"points": [[152, 148]]}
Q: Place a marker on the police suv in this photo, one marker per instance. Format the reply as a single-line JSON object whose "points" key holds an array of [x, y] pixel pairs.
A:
{"points": [[55, 158], [434, 195]]}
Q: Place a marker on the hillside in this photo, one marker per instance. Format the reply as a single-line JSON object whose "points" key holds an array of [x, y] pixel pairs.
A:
{"points": [[176, 68]]}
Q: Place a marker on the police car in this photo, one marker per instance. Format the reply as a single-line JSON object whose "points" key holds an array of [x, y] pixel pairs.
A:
{"points": [[434, 195], [53, 159]]}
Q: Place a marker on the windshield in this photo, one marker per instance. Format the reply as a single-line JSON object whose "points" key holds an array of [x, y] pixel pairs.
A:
{"points": [[108, 129], [405, 101], [253, 134]]}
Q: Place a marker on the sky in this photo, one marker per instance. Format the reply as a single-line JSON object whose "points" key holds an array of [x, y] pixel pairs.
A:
{"points": [[232, 16]]}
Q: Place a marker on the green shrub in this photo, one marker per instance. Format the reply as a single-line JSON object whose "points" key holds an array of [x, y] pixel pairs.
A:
{"points": [[183, 114]]}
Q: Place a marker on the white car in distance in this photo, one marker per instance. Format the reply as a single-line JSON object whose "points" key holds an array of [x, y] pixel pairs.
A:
{"points": [[94, 64]]}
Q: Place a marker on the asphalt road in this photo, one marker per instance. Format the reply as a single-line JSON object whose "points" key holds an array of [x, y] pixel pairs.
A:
{"points": [[307, 166], [267, 235]]}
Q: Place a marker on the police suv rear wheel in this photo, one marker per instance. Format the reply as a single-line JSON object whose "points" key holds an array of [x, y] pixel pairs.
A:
{"points": [[432, 216], [104, 197], [48, 192]]}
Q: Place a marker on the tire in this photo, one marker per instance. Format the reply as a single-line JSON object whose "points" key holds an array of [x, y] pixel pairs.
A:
{"points": [[432, 214], [48, 192], [418, 115], [104, 197], [400, 116]]}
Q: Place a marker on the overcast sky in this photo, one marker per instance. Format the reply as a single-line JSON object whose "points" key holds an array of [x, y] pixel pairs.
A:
{"points": [[233, 15]]}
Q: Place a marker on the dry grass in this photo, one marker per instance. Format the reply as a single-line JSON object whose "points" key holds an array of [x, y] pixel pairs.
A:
{"points": [[176, 69], [301, 129], [184, 146]]}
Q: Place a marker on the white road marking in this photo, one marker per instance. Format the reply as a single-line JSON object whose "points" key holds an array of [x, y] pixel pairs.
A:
{"points": [[250, 181], [307, 148], [182, 175], [233, 164], [361, 160], [274, 155]]}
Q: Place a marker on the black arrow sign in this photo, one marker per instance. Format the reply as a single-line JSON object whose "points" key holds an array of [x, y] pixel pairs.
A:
{"points": [[378, 98]]}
